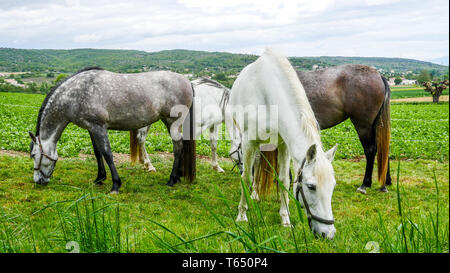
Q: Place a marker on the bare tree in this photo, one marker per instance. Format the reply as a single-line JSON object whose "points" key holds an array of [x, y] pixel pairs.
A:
{"points": [[435, 88]]}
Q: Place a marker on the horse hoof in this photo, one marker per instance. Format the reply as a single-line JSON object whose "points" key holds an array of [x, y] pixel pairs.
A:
{"points": [[170, 183], [242, 218], [149, 168], [218, 169], [383, 189], [114, 192], [99, 181], [361, 190], [287, 225], [255, 196]]}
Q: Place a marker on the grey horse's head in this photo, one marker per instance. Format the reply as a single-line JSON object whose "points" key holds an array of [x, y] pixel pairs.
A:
{"points": [[44, 160]]}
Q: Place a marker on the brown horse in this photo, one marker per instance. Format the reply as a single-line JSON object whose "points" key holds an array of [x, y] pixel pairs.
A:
{"points": [[357, 92]]}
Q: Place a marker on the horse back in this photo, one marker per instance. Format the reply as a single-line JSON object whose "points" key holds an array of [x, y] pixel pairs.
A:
{"points": [[337, 93], [127, 101]]}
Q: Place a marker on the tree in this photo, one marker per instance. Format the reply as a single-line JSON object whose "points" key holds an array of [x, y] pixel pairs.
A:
{"points": [[424, 77], [398, 81], [60, 78], [435, 88]]}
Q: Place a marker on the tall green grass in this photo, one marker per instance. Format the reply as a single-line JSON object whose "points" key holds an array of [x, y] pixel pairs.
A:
{"points": [[96, 222]]}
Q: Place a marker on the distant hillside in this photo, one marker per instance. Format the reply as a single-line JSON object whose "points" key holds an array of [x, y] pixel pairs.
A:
{"points": [[187, 61], [399, 65], [442, 60]]}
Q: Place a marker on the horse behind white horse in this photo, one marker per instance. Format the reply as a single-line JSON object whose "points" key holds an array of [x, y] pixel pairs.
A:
{"points": [[272, 81], [212, 97]]}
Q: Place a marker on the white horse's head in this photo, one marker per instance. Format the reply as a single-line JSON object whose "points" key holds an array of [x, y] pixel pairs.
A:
{"points": [[314, 187], [44, 160]]}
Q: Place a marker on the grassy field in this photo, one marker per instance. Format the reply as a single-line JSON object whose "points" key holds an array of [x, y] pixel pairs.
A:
{"points": [[418, 131], [147, 216]]}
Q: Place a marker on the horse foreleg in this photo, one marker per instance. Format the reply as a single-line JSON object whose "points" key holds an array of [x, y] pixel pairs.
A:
{"points": [[256, 166], [213, 141], [248, 159], [101, 142], [283, 163], [100, 165], [143, 155]]}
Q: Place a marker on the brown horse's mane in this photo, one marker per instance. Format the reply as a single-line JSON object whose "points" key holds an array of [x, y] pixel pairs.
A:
{"points": [[52, 91]]}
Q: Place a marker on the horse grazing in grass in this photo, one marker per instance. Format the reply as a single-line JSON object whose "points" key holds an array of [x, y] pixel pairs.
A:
{"points": [[213, 98], [272, 81], [360, 93], [98, 100]]}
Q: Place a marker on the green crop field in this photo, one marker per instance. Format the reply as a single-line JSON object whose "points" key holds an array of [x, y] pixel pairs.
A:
{"points": [[399, 92], [147, 216]]}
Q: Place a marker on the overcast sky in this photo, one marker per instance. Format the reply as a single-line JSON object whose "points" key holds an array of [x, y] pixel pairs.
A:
{"points": [[415, 29]]}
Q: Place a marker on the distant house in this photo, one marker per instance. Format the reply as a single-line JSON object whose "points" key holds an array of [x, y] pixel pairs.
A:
{"points": [[391, 82], [408, 82], [14, 82]]}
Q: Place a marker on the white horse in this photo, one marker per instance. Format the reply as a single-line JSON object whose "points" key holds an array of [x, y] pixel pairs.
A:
{"points": [[272, 81], [212, 98]]}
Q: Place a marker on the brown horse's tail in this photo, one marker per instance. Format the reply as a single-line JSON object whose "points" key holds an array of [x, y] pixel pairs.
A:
{"points": [[264, 178], [383, 135], [189, 145], [134, 146]]}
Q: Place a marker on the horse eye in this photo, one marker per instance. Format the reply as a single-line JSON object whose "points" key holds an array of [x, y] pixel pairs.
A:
{"points": [[311, 187]]}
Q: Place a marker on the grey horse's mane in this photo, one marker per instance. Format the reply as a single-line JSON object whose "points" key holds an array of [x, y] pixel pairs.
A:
{"points": [[52, 91]]}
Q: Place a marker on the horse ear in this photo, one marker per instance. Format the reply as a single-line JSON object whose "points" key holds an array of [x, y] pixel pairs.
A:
{"points": [[33, 138], [311, 154], [331, 152]]}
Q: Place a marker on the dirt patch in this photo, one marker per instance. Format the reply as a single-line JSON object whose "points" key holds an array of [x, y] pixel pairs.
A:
{"points": [[118, 157], [421, 99]]}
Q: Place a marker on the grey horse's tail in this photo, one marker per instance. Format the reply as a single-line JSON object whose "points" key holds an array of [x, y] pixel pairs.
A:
{"points": [[383, 135], [189, 145]]}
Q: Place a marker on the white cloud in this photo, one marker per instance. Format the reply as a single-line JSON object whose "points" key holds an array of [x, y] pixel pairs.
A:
{"points": [[413, 29]]}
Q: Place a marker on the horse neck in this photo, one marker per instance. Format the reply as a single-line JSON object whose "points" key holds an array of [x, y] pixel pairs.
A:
{"points": [[51, 128], [298, 132]]}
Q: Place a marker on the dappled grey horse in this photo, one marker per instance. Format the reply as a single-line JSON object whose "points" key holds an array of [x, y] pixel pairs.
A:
{"points": [[99, 100]]}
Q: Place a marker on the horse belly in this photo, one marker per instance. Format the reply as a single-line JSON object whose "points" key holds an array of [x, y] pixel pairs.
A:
{"points": [[132, 116]]}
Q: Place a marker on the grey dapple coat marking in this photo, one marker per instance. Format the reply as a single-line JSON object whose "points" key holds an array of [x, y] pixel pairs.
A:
{"points": [[212, 97]]}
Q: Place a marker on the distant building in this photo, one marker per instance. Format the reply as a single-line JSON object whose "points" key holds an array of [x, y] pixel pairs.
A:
{"points": [[14, 82], [408, 82]]}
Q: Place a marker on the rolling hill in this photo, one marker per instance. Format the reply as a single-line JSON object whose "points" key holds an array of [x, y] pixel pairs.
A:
{"points": [[185, 61]]}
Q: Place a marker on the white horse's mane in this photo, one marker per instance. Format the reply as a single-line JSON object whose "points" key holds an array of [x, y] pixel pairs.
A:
{"points": [[309, 123]]}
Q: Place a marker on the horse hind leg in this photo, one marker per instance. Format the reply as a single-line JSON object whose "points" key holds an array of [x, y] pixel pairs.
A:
{"points": [[213, 140], [368, 141], [143, 155]]}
